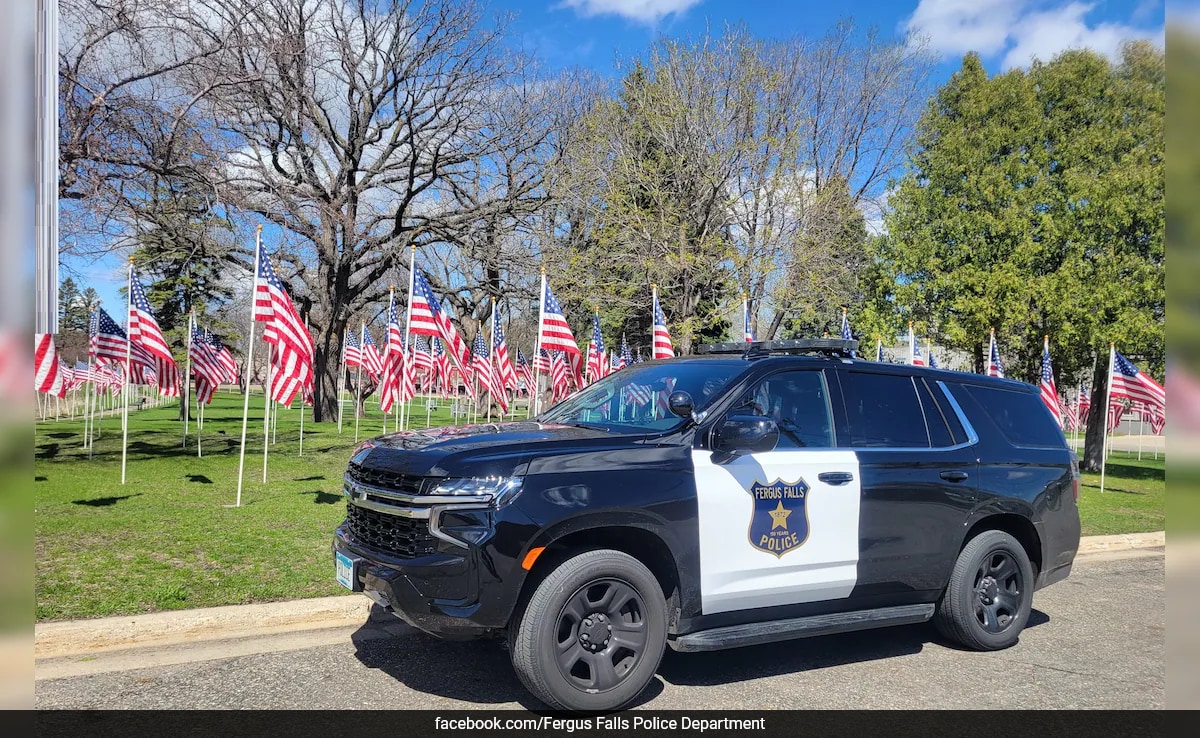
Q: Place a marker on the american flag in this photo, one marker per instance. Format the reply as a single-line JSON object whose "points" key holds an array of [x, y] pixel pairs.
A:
{"points": [[427, 318], [848, 336], [408, 379], [625, 358], [1083, 403], [932, 359], [224, 356], [995, 368], [206, 366], [638, 394], [524, 371], [47, 372], [422, 360], [749, 334], [144, 332], [1070, 413], [292, 357], [559, 376], [441, 365], [612, 361], [663, 407], [914, 351], [372, 362], [1048, 390], [1129, 382], [662, 338], [554, 334], [504, 365], [391, 388], [596, 353], [541, 362], [353, 352], [1116, 409], [108, 343], [489, 378]]}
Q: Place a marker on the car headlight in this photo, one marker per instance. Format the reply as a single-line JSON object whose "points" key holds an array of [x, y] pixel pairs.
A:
{"points": [[497, 490]]}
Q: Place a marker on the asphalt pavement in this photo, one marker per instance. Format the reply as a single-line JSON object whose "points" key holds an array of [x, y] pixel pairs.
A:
{"points": [[1095, 640]]}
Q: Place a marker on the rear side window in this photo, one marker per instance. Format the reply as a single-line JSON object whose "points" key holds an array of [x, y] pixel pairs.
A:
{"points": [[1020, 416], [883, 411], [939, 432]]}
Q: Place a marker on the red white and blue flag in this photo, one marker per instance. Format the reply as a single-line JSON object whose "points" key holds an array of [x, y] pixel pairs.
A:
{"points": [[144, 332], [1082, 404], [504, 366], [847, 335], [597, 357], [662, 337], [427, 318], [206, 366], [554, 333], [228, 364], [283, 329], [391, 388], [353, 352], [524, 371], [422, 360], [441, 366], [914, 351], [372, 361], [559, 376], [1135, 385], [1049, 392], [995, 368], [626, 358], [47, 372], [489, 378]]}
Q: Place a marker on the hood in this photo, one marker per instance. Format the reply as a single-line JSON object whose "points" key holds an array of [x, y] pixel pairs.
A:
{"points": [[481, 450]]}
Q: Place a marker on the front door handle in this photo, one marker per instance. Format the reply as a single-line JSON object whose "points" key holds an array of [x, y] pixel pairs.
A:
{"points": [[954, 476], [836, 478]]}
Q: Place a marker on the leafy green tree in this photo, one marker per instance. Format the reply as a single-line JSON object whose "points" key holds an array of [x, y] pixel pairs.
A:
{"points": [[1034, 205], [72, 309]]}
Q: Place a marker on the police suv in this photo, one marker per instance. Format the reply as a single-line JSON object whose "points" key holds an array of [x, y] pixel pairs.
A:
{"points": [[756, 493]]}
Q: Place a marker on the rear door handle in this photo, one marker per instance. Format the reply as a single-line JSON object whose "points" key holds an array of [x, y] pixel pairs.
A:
{"points": [[954, 476], [836, 478]]}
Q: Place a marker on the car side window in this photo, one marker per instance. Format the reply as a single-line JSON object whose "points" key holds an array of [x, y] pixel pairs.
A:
{"points": [[883, 411], [798, 402]]}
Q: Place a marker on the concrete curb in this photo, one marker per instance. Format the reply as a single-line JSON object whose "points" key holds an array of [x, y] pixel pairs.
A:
{"points": [[1121, 542], [76, 637]]}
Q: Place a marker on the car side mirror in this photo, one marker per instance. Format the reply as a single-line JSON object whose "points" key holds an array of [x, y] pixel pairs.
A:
{"points": [[739, 434], [681, 404]]}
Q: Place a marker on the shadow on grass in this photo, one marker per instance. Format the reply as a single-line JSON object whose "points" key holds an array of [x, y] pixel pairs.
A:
{"points": [[104, 501], [61, 434], [39, 479], [199, 479], [49, 451], [323, 498], [1127, 471], [1118, 490], [310, 479]]}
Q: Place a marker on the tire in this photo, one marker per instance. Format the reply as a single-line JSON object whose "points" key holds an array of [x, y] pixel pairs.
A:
{"points": [[987, 600], [599, 607]]}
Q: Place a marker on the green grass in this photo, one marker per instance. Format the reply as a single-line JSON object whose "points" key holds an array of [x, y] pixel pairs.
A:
{"points": [[166, 539], [1134, 496]]}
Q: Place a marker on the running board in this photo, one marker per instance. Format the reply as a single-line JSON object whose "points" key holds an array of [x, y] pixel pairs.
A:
{"points": [[750, 634]]}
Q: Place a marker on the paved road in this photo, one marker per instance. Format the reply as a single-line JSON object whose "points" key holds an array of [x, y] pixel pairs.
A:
{"points": [[1096, 641]]}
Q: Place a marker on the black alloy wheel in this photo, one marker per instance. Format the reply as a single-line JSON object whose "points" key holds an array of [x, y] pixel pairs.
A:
{"points": [[600, 634]]}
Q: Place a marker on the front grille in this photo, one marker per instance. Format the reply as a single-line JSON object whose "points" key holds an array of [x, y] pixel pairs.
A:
{"points": [[385, 480], [403, 537]]}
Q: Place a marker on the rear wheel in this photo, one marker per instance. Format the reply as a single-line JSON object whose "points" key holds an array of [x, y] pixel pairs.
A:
{"points": [[593, 633], [987, 601]]}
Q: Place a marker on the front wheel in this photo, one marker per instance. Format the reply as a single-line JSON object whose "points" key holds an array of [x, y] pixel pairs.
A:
{"points": [[593, 633], [987, 601]]}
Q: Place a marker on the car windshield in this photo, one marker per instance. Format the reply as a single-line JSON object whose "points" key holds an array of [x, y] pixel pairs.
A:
{"points": [[634, 400]]}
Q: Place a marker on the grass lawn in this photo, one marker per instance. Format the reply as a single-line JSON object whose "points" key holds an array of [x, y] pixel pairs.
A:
{"points": [[167, 540], [1134, 496]]}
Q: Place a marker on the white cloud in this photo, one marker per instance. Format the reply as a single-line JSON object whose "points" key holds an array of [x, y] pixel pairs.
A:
{"points": [[1022, 30], [1042, 35], [642, 11], [955, 27]]}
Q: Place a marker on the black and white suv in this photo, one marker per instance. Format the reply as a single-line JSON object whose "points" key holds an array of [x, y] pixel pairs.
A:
{"points": [[756, 493]]}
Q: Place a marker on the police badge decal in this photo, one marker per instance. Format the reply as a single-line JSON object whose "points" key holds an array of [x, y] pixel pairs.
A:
{"points": [[779, 521]]}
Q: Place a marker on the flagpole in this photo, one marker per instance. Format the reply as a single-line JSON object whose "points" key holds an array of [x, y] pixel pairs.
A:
{"points": [[1112, 353], [187, 378], [248, 364], [536, 396], [1141, 431], [362, 346], [125, 392], [89, 390], [412, 281], [302, 401], [200, 423], [341, 391]]}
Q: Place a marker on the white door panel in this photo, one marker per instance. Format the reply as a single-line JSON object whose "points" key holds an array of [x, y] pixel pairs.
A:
{"points": [[772, 533]]}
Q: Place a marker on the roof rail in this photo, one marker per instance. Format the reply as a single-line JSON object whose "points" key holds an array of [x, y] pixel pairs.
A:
{"points": [[834, 347]]}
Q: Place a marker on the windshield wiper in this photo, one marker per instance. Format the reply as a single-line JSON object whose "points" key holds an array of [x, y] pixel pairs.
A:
{"points": [[589, 426]]}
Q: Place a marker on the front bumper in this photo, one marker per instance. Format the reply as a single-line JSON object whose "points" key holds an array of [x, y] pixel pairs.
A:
{"points": [[455, 592]]}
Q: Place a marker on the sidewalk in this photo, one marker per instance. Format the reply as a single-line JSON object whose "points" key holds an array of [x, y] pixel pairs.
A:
{"points": [[76, 637]]}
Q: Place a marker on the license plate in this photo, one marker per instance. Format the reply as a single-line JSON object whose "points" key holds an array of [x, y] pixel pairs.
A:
{"points": [[346, 571]]}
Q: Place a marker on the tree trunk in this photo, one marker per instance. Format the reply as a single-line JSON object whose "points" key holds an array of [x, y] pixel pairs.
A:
{"points": [[1093, 452], [978, 351], [326, 365], [185, 404]]}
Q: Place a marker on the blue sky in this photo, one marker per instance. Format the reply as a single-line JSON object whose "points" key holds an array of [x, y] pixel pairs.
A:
{"points": [[597, 33]]}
